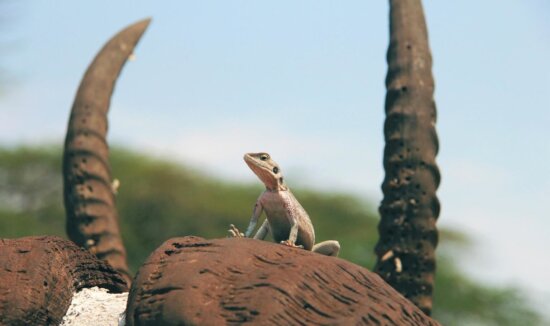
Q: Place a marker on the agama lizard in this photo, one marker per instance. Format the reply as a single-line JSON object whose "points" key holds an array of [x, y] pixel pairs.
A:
{"points": [[286, 219]]}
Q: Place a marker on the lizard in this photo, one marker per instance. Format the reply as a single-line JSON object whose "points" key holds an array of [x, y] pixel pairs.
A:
{"points": [[286, 219]]}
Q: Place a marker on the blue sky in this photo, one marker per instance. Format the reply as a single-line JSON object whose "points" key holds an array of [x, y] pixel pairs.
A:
{"points": [[304, 80]]}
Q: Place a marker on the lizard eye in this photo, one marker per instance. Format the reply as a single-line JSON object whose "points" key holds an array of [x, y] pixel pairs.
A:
{"points": [[275, 170], [264, 157]]}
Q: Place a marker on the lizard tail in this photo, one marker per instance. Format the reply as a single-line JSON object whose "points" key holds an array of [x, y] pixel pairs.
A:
{"points": [[327, 248]]}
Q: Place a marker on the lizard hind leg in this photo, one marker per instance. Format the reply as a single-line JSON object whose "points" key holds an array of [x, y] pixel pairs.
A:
{"points": [[262, 231], [327, 248]]}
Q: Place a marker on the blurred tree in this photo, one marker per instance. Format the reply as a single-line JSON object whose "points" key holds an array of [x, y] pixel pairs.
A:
{"points": [[159, 199]]}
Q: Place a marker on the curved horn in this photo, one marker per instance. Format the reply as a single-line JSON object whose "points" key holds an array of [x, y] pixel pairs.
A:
{"points": [[410, 208], [92, 219]]}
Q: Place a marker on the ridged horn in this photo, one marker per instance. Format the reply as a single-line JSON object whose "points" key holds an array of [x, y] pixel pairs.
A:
{"points": [[410, 208], [92, 218]]}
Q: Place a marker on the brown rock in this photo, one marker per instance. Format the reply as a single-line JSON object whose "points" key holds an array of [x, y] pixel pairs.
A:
{"points": [[193, 281], [38, 276]]}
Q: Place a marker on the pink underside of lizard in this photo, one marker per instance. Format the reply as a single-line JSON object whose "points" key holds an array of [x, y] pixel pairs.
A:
{"points": [[281, 207]]}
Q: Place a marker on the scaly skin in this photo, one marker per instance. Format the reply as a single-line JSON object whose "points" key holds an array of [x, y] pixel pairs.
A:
{"points": [[287, 220]]}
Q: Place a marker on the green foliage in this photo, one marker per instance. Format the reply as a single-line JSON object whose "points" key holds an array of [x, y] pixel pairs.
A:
{"points": [[158, 200], [460, 301], [30, 192]]}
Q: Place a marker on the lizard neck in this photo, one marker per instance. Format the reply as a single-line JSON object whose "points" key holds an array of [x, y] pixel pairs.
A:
{"points": [[279, 187]]}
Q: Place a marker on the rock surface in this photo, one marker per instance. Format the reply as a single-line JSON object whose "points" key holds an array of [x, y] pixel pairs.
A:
{"points": [[193, 281], [38, 276]]}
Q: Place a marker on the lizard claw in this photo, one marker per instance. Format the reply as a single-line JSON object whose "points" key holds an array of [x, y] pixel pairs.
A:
{"points": [[234, 232], [291, 244]]}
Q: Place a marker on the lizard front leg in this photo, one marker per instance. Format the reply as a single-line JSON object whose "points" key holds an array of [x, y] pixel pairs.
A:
{"points": [[260, 234], [256, 212]]}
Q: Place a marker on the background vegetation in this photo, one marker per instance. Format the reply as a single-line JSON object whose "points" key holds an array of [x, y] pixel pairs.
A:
{"points": [[159, 199]]}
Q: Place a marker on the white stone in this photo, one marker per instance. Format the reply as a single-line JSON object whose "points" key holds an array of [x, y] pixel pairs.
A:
{"points": [[96, 306]]}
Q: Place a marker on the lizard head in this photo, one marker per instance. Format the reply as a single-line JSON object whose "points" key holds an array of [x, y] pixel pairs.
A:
{"points": [[266, 169]]}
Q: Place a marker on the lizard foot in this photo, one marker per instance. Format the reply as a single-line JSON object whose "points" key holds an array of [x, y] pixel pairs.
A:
{"points": [[234, 232], [291, 244]]}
